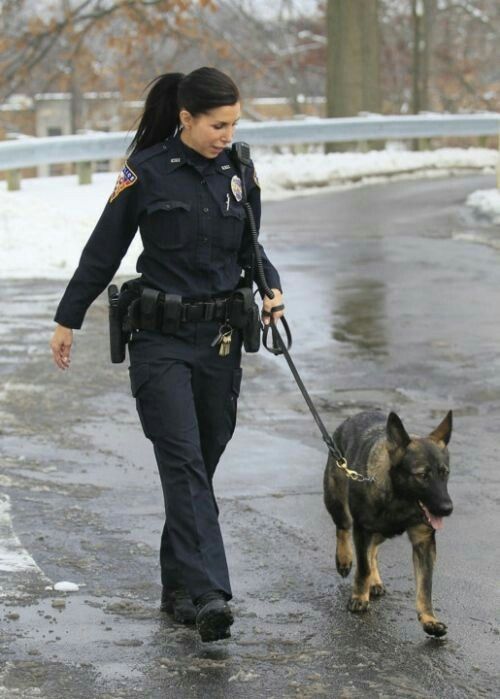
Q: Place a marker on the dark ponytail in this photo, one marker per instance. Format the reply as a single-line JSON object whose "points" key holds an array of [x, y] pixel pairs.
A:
{"points": [[198, 92], [160, 117]]}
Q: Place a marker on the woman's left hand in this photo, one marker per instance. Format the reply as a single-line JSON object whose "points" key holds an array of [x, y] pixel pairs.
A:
{"points": [[267, 304]]}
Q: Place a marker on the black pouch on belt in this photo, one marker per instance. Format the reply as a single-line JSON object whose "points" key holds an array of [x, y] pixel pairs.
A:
{"points": [[244, 314], [172, 313], [148, 308], [154, 310]]}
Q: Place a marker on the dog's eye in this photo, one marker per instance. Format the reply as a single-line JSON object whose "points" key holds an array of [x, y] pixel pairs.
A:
{"points": [[424, 477]]}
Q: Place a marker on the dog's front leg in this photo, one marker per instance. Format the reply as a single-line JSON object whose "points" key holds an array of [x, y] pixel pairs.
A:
{"points": [[360, 598], [423, 541], [377, 588]]}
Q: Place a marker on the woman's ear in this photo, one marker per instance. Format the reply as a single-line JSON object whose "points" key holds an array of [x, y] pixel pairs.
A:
{"points": [[186, 118]]}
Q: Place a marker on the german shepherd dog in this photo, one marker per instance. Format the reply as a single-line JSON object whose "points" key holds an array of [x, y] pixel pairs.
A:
{"points": [[409, 493]]}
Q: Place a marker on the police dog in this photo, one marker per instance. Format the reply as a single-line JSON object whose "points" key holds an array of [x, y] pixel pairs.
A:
{"points": [[409, 493]]}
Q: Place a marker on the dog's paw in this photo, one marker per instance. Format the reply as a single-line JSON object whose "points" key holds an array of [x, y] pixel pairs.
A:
{"points": [[343, 567], [377, 591], [358, 605], [435, 628]]}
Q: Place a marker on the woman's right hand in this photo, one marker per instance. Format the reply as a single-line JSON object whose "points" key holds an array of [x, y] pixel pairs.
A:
{"points": [[60, 344]]}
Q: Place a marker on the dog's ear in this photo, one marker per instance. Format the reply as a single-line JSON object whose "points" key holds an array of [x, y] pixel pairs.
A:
{"points": [[442, 433], [396, 433]]}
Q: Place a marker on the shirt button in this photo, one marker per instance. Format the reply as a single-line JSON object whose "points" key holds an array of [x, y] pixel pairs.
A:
{"points": [[204, 238], [205, 209]]}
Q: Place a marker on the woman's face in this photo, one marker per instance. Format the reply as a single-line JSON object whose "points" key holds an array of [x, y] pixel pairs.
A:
{"points": [[210, 132]]}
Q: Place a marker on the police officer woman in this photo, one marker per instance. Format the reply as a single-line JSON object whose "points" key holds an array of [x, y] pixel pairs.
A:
{"points": [[182, 190]]}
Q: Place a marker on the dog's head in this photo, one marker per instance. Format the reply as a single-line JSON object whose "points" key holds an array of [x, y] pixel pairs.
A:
{"points": [[420, 467]]}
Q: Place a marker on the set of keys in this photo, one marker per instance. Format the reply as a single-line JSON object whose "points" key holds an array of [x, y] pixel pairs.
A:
{"points": [[223, 339]]}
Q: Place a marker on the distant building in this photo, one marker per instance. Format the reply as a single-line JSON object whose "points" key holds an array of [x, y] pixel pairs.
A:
{"points": [[49, 114]]}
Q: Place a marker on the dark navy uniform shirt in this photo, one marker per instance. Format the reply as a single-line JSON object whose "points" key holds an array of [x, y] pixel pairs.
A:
{"points": [[190, 222]]}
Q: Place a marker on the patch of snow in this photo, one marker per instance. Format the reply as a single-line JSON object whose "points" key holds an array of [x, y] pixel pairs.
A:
{"points": [[486, 202], [44, 226], [65, 586], [13, 556]]}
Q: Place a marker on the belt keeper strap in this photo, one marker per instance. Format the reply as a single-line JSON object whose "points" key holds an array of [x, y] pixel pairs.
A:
{"points": [[195, 312], [221, 309], [209, 310]]}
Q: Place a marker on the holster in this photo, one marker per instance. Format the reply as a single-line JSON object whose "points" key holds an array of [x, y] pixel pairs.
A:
{"points": [[117, 338], [119, 328], [244, 314]]}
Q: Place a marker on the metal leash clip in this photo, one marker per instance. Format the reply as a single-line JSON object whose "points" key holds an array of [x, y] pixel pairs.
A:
{"points": [[350, 473]]}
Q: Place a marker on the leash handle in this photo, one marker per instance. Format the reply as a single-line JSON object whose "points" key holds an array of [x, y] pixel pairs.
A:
{"points": [[277, 347]]}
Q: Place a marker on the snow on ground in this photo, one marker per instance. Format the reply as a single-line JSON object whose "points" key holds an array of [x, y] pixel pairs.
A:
{"points": [[486, 202], [45, 225], [13, 557], [283, 175]]}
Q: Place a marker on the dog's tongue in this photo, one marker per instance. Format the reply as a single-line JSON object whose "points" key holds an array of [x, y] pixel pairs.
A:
{"points": [[436, 522]]}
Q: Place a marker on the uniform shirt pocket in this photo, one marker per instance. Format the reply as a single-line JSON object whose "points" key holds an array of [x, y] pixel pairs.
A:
{"points": [[167, 224], [230, 230]]}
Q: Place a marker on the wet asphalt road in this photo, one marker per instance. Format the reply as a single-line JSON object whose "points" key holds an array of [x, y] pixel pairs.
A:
{"points": [[392, 306]]}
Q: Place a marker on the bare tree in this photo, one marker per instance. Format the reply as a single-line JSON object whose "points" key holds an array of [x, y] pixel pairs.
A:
{"points": [[63, 35], [453, 62], [279, 54]]}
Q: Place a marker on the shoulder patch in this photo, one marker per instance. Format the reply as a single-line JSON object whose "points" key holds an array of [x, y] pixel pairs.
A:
{"points": [[126, 178], [255, 178]]}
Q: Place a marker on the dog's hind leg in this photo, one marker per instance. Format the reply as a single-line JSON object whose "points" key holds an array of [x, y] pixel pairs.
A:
{"points": [[377, 588], [360, 598], [423, 541]]}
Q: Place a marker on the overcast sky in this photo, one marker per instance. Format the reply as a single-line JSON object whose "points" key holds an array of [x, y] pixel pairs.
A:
{"points": [[270, 8]]}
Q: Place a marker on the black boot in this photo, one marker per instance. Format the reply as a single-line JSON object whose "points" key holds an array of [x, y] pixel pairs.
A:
{"points": [[178, 603], [213, 617]]}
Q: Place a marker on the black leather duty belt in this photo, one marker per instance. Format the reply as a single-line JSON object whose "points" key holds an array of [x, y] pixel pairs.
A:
{"points": [[154, 310], [205, 310]]}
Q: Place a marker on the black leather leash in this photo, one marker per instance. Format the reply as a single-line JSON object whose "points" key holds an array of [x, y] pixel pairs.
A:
{"points": [[240, 154], [279, 347]]}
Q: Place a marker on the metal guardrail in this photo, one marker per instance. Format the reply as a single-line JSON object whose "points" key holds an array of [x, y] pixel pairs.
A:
{"points": [[84, 149], [29, 152]]}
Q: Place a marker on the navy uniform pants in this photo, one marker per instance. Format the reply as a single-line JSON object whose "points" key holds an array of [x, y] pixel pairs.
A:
{"points": [[186, 396]]}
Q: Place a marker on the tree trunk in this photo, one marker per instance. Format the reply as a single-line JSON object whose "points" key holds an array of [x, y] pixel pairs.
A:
{"points": [[353, 80], [371, 53], [423, 16], [73, 77]]}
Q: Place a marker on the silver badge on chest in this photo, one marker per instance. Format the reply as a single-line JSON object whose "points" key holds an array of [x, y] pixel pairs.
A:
{"points": [[236, 188]]}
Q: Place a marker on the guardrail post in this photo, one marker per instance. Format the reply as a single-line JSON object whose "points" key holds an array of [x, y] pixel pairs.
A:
{"points": [[13, 180], [84, 171]]}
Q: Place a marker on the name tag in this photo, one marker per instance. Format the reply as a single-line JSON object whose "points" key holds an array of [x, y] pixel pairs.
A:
{"points": [[175, 160], [225, 167]]}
